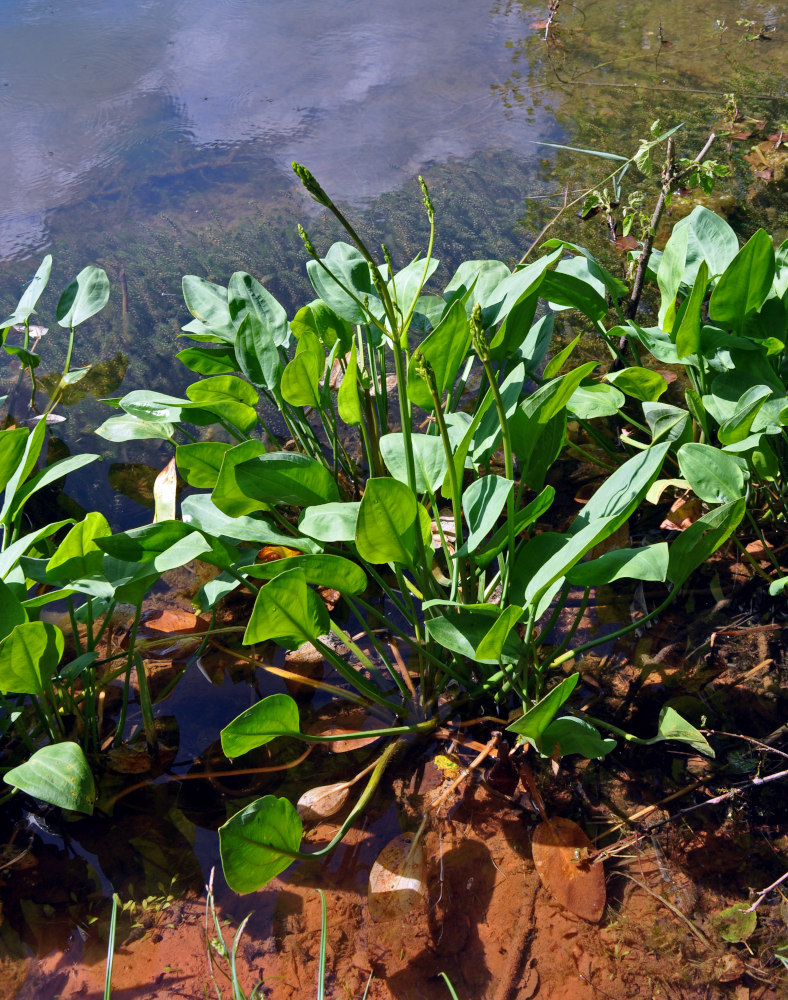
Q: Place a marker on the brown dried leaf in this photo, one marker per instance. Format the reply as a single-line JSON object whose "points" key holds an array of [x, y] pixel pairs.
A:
{"points": [[559, 849], [160, 625], [625, 243], [683, 512], [340, 719], [396, 881], [321, 802]]}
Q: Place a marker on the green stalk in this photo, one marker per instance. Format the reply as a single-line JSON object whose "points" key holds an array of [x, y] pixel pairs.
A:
{"points": [[127, 679], [482, 350], [146, 705], [357, 681], [459, 566]]}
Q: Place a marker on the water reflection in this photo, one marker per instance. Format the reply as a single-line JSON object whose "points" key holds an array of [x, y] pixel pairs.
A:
{"points": [[365, 92]]}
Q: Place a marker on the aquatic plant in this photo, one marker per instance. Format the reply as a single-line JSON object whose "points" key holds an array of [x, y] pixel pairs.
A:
{"points": [[474, 590]]}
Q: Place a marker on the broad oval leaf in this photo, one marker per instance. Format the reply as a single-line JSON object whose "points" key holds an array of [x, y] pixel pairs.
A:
{"points": [[715, 476], [276, 715], [388, 520], [745, 283], [57, 774], [84, 297], [29, 657], [258, 843], [330, 522], [287, 611], [320, 570], [286, 477], [429, 459]]}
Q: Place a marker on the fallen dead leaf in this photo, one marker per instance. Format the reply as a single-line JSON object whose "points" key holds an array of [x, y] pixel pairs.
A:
{"points": [[396, 881], [559, 848]]}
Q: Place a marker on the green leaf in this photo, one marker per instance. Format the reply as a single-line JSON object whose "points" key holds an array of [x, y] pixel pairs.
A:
{"points": [[78, 555], [347, 267], [330, 522], [483, 276], [300, 381], [388, 520], [30, 296], [59, 775], [167, 545], [12, 447], [624, 489], [320, 570], [210, 360], [667, 423], [288, 612], [571, 551], [595, 399], [11, 555], [670, 273], [130, 428], [25, 465], [444, 349], [247, 297], [252, 843], [229, 397], [324, 323], [482, 503], [257, 354], [736, 923], [714, 476], [673, 727], [489, 436], [429, 459], [207, 302], [737, 427], [463, 633], [276, 715], [709, 238], [703, 537], [200, 512], [745, 283], [29, 657], [286, 477], [688, 337], [492, 645], [227, 495], [11, 611], [348, 403], [407, 283], [640, 383], [200, 463], [569, 735], [84, 297], [647, 563], [158, 407], [554, 366], [575, 285], [49, 474], [522, 519], [499, 302], [532, 724]]}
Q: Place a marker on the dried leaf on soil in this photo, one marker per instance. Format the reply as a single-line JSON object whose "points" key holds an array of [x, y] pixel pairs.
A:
{"points": [[559, 848], [396, 881]]}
